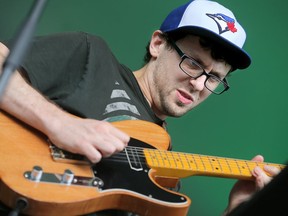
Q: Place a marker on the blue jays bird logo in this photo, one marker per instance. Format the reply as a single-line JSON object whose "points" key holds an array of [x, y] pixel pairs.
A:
{"points": [[224, 23]]}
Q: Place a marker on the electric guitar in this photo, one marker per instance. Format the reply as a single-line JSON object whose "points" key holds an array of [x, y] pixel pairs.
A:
{"points": [[55, 182]]}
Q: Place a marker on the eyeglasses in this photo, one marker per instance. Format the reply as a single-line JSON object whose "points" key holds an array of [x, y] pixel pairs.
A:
{"points": [[194, 70]]}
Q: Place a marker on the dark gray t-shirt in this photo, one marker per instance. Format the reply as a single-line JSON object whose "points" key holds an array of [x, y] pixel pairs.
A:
{"points": [[78, 71]]}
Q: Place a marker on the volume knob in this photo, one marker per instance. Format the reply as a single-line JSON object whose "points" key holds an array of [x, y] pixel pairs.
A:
{"points": [[67, 177], [36, 173]]}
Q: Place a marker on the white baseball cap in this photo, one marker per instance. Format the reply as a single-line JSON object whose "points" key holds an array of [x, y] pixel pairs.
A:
{"points": [[213, 21]]}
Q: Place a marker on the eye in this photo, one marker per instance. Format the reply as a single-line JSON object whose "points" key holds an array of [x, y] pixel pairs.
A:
{"points": [[192, 64], [213, 79]]}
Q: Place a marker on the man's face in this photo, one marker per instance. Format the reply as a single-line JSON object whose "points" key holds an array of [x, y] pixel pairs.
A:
{"points": [[175, 93]]}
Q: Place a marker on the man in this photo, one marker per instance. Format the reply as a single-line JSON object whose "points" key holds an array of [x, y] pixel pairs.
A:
{"points": [[187, 60]]}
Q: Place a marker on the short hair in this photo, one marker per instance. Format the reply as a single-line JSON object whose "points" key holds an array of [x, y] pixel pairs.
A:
{"points": [[217, 51]]}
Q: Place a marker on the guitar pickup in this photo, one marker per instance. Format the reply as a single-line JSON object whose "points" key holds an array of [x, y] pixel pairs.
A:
{"points": [[63, 156]]}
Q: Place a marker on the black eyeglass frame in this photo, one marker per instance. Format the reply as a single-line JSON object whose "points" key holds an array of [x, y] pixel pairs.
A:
{"points": [[183, 56]]}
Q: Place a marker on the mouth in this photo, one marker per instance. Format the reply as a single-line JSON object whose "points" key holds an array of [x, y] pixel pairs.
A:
{"points": [[184, 97]]}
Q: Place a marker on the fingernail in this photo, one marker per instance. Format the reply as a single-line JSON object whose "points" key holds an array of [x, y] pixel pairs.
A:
{"points": [[268, 168], [257, 170]]}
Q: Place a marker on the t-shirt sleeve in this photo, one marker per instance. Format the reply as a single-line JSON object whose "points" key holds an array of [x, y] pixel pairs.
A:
{"points": [[54, 64]]}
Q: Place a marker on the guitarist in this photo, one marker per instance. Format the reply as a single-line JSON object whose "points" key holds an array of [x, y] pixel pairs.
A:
{"points": [[187, 59]]}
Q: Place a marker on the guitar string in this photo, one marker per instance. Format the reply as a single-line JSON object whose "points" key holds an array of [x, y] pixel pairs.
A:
{"points": [[164, 158], [225, 163], [169, 155], [231, 163]]}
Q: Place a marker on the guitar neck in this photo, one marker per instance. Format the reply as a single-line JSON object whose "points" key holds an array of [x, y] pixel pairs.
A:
{"points": [[180, 165]]}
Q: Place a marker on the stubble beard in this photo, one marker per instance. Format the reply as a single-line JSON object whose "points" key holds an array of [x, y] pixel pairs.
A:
{"points": [[170, 108], [166, 104]]}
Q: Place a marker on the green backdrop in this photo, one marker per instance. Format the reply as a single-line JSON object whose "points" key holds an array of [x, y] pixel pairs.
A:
{"points": [[250, 119]]}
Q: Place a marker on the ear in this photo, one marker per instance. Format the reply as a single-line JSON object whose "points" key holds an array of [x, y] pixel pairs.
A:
{"points": [[155, 44]]}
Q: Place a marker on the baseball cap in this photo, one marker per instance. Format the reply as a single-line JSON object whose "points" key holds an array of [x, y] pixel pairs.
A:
{"points": [[213, 21]]}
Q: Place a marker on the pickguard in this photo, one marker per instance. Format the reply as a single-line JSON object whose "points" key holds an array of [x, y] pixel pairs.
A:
{"points": [[118, 174]]}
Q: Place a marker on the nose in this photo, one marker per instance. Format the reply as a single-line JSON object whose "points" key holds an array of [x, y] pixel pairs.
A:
{"points": [[198, 83]]}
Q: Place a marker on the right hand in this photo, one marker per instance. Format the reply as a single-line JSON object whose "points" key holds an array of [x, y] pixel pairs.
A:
{"points": [[91, 138]]}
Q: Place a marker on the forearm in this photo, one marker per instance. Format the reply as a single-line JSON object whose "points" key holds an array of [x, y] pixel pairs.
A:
{"points": [[25, 103]]}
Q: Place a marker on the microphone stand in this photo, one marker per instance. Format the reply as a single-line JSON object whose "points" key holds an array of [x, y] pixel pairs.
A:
{"points": [[21, 43]]}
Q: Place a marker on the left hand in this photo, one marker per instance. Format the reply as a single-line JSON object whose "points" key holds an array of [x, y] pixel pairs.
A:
{"points": [[244, 189]]}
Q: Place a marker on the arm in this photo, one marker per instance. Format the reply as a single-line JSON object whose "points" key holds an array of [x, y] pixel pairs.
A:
{"points": [[92, 138], [243, 190]]}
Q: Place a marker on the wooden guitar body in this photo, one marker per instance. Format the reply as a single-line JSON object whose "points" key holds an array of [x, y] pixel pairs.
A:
{"points": [[124, 185]]}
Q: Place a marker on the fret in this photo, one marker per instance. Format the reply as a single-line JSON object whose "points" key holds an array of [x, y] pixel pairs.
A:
{"points": [[228, 165], [187, 162], [191, 161], [235, 170], [156, 158], [175, 160], [242, 164], [207, 164], [150, 159], [225, 166], [172, 160], [165, 159], [240, 168], [215, 163], [200, 164], [250, 166], [184, 161], [178, 161]]}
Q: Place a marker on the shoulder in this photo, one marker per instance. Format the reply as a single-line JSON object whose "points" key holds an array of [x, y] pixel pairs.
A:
{"points": [[79, 35], [72, 38]]}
